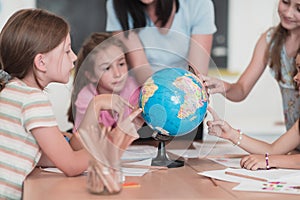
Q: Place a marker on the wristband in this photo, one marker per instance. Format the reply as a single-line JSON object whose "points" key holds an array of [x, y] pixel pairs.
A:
{"points": [[239, 139], [267, 161]]}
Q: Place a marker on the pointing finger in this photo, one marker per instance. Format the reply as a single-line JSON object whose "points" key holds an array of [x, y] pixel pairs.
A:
{"points": [[127, 103], [134, 114], [213, 113]]}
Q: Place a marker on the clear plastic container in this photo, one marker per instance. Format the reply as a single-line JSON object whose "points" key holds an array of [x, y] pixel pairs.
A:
{"points": [[103, 179]]}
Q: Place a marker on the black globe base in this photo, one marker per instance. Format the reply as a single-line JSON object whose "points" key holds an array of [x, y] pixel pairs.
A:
{"points": [[162, 158]]}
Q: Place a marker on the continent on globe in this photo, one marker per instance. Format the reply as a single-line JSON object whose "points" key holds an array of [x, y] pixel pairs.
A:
{"points": [[173, 100]]}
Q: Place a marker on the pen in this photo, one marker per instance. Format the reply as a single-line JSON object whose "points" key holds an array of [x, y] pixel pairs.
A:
{"points": [[214, 182], [246, 176], [296, 187]]}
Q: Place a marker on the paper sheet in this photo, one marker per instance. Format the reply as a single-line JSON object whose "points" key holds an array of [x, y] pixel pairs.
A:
{"points": [[208, 149], [212, 149], [270, 175], [274, 187], [137, 171], [220, 175], [228, 162], [185, 153], [52, 169], [126, 170], [139, 152], [286, 175]]}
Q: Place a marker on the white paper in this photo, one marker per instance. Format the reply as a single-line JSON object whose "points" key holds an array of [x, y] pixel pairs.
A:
{"points": [[270, 175], [131, 171], [139, 152], [138, 171], [208, 149], [52, 169], [211, 149], [228, 162], [281, 175], [186, 153], [273, 187], [220, 175]]}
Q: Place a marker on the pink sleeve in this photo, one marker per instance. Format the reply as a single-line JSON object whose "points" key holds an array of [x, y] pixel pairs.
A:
{"points": [[83, 99], [131, 93]]}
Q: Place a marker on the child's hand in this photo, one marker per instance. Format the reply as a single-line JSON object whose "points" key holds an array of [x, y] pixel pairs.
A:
{"points": [[214, 85], [201, 78], [113, 102], [253, 162], [105, 144], [218, 127], [139, 120], [125, 132]]}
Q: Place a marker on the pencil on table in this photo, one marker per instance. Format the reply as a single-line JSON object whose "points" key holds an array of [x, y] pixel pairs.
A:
{"points": [[131, 185], [214, 182]]}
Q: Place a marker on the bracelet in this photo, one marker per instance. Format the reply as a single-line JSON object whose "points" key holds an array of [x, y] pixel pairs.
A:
{"points": [[68, 139], [267, 161], [240, 138]]}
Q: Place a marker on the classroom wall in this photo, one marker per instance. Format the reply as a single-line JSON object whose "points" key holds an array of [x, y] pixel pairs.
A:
{"points": [[257, 113], [247, 20], [7, 7]]}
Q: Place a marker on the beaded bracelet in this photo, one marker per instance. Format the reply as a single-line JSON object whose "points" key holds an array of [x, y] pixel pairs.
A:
{"points": [[267, 161], [240, 138]]}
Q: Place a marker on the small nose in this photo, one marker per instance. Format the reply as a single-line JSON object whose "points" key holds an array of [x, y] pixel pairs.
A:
{"points": [[74, 56], [290, 11], [116, 71], [297, 78]]}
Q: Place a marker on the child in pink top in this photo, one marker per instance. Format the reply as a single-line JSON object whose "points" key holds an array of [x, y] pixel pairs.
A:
{"points": [[102, 69]]}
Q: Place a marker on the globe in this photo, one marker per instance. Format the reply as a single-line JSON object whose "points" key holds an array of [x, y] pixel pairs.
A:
{"points": [[173, 101]]}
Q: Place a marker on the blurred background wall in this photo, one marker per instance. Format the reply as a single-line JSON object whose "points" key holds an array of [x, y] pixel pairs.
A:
{"points": [[245, 22]]}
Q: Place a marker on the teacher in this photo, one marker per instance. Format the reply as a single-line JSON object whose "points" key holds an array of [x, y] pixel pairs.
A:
{"points": [[164, 33]]}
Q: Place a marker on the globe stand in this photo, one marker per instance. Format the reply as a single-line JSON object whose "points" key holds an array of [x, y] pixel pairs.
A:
{"points": [[162, 158]]}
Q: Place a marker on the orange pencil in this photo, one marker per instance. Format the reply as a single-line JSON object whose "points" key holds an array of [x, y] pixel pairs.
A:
{"points": [[131, 185]]}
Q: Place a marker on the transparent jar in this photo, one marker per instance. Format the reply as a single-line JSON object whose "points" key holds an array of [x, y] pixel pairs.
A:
{"points": [[102, 179]]}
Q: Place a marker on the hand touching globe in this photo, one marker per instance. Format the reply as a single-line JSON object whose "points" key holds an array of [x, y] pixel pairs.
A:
{"points": [[173, 101]]}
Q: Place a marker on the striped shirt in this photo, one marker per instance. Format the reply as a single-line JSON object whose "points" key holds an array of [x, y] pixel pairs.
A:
{"points": [[22, 108]]}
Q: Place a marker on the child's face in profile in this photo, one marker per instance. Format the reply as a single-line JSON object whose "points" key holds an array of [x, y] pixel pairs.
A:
{"points": [[60, 69], [297, 77], [111, 70]]}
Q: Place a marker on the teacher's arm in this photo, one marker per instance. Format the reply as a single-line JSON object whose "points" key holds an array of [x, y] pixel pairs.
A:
{"points": [[199, 53]]}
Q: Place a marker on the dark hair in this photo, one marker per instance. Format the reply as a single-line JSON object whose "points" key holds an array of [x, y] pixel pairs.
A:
{"points": [[272, 53], [137, 11], [86, 62], [27, 33]]}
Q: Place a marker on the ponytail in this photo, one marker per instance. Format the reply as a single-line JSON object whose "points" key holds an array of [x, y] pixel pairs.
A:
{"points": [[4, 78]]}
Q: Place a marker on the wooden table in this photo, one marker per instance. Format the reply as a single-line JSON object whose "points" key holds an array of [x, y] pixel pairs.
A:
{"points": [[175, 183]]}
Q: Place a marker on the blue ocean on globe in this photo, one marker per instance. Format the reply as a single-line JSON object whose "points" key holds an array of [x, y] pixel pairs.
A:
{"points": [[173, 101]]}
